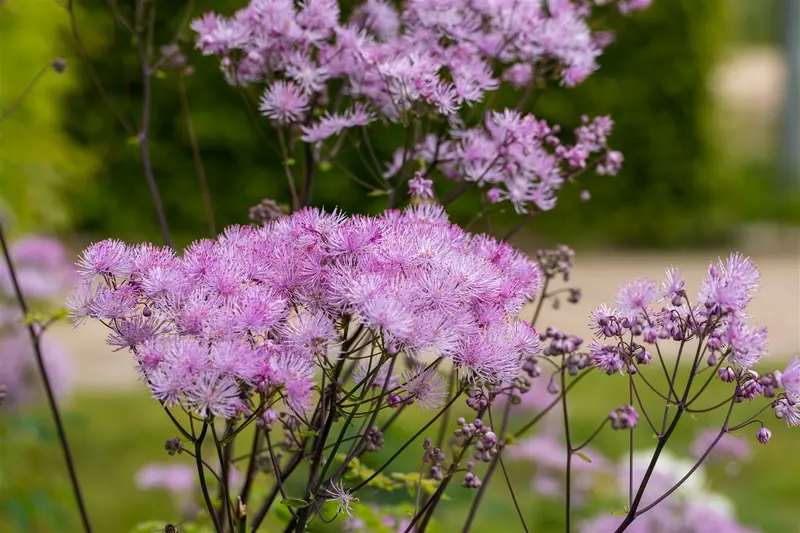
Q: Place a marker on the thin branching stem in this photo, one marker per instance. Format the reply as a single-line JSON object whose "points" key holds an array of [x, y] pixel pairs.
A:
{"points": [[568, 439], [552, 404], [408, 442], [84, 56], [641, 407], [513, 496], [487, 477], [199, 168], [35, 340], [21, 98], [198, 455], [696, 465], [143, 137]]}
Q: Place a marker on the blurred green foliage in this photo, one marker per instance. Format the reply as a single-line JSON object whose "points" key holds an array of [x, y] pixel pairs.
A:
{"points": [[39, 160], [653, 82]]}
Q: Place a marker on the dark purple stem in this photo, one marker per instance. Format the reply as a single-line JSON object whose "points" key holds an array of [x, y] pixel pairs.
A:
{"points": [[51, 399]]}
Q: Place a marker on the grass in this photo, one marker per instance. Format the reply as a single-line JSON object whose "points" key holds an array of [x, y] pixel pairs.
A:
{"points": [[113, 435]]}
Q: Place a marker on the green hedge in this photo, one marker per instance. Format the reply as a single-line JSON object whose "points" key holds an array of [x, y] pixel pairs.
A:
{"points": [[653, 81], [39, 162]]}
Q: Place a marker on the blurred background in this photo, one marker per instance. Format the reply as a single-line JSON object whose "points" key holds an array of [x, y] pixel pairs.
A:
{"points": [[706, 99]]}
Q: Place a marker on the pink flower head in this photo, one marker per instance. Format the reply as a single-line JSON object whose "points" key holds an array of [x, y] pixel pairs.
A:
{"points": [[747, 345], [420, 187], [109, 257], [730, 285], [637, 295], [284, 102], [790, 377]]}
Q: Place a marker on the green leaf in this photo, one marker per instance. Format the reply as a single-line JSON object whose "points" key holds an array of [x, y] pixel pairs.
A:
{"points": [[325, 166], [307, 433], [296, 503], [583, 456], [378, 192], [624, 511], [161, 75], [290, 162]]}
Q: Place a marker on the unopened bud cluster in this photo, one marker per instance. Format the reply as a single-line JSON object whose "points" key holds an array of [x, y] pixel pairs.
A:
{"points": [[434, 455], [266, 420], [555, 262], [471, 481], [476, 399], [485, 439], [373, 439], [560, 343], [266, 211], [624, 417], [173, 446]]}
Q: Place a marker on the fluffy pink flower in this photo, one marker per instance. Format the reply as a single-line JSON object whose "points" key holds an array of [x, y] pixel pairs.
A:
{"points": [[284, 102]]}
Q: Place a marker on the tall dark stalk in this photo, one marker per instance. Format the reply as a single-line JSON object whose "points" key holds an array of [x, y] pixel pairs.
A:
{"points": [[200, 170], [51, 400], [144, 129]]}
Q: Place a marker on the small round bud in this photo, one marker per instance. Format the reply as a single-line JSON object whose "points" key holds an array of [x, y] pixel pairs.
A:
{"points": [[727, 374], [624, 417], [146, 312], [574, 296], [269, 417], [173, 445], [373, 439], [553, 388], [59, 65], [471, 481], [763, 435]]}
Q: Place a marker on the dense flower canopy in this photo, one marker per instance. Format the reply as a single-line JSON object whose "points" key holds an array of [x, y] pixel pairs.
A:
{"points": [[259, 308], [435, 59]]}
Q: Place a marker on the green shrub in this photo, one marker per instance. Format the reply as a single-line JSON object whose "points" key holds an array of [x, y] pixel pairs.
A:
{"points": [[39, 161]]}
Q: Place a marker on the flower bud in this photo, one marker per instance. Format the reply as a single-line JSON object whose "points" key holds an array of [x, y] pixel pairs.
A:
{"points": [[173, 446], [763, 435], [471, 481], [59, 65], [624, 417], [726, 374]]}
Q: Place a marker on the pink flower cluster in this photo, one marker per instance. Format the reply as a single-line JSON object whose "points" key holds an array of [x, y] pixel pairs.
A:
{"points": [[434, 58], [396, 58], [518, 157], [718, 318], [257, 309]]}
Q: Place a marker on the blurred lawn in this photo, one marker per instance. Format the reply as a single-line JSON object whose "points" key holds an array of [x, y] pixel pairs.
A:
{"points": [[113, 435]]}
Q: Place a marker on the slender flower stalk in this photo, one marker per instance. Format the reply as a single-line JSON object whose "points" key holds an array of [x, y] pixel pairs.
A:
{"points": [[34, 333]]}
